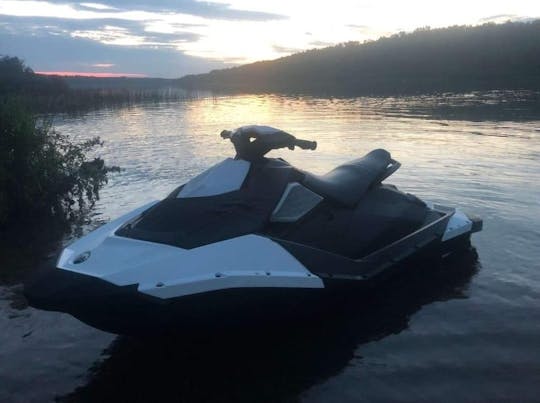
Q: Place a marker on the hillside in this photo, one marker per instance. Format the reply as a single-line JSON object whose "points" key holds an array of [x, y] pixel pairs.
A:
{"points": [[459, 58]]}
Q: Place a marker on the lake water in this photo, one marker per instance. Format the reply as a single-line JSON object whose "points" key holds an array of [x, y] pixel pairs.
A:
{"points": [[466, 330]]}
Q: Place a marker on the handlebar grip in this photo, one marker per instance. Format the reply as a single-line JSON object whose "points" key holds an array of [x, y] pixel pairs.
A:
{"points": [[226, 134], [305, 144]]}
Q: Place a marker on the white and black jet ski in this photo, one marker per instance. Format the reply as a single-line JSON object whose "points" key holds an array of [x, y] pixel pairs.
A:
{"points": [[248, 236]]}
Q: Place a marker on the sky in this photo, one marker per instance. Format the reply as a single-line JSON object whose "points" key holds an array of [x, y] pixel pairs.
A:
{"points": [[166, 38]]}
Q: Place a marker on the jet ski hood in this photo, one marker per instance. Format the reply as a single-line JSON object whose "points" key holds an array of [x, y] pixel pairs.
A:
{"points": [[233, 198], [225, 177]]}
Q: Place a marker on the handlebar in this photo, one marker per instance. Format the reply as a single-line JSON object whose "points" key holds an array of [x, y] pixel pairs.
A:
{"points": [[305, 144], [253, 142]]}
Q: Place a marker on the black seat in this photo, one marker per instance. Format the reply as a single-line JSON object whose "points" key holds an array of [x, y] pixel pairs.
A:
{"points": [[347, 183]]}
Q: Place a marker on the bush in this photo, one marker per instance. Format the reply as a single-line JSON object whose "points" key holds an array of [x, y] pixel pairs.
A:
{"points": [[44, 177], [19, 79]]}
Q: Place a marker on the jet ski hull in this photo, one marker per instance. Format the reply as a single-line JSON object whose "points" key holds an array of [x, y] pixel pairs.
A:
{"points": [[125, 310]]}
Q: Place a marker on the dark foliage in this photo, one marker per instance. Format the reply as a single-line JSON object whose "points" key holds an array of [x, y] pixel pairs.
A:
{"points": [[44, 177], [16, 78], [46, 181], [460, 58]]}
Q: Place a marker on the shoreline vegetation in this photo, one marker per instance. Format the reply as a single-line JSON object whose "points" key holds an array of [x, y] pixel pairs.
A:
{"points": [[46, 94], [47, 181]]}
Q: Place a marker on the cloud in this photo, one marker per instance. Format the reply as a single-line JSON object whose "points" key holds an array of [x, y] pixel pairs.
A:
{"points": [[162, 24], [363, 29], [285, 49], [95, 6], [357, 26], [120, 36], [109, 31], [204, 9], [103, 65], [320, 44], [46, 52], [36, 25], [500, 18], [89, 74]]}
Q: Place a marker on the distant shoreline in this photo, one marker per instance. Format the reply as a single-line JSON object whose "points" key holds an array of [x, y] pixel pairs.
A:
{"points": [[457, 59], [454, 59]]}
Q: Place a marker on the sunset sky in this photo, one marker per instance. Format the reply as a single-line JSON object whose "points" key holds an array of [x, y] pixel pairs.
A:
{"points": [[166, 38]]}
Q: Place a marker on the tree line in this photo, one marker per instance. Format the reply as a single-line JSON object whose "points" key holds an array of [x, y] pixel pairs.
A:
{"points": [[54, 94], [458, 58]]}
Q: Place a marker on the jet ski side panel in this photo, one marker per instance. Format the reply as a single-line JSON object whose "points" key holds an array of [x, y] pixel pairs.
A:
{"points": [[328, 265], [119, 290], [165, 271], [124, 310], [458, 224]]}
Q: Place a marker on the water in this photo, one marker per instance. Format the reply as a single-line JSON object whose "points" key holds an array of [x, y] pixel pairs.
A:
{"points": [[468, 330]]}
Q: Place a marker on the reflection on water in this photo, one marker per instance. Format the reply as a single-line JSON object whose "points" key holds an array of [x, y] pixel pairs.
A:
{"points": [[479, 151], [272, 363]]}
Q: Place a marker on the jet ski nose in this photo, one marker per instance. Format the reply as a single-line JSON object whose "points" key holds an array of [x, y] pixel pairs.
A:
{"points": [[52, 289], [90, 299], [55, 289]]}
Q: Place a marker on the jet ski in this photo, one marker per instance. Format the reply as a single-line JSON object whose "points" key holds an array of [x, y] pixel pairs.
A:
{"points": [[248, 238]]}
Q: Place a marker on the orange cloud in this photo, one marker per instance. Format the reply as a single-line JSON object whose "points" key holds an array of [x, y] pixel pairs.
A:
{"points": [[89, 74], [103, 65]]}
